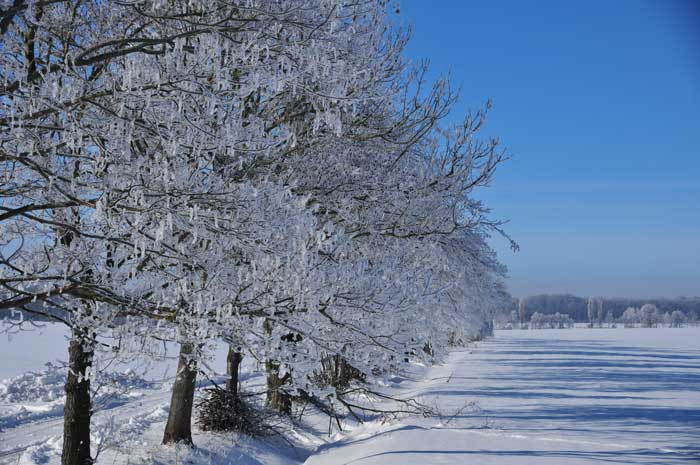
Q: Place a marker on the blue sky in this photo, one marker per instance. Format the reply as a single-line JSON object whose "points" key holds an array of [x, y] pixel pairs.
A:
{"points": [[599, 104]]}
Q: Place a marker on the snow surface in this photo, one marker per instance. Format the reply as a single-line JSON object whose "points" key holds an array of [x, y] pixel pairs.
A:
{"points": [[573, 396]]}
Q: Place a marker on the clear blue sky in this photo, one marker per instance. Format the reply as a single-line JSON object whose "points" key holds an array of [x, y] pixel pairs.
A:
{"points": [[599, 104]]}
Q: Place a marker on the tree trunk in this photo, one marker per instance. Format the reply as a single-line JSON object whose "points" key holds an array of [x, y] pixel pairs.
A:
{"points": [[339, 373], [277, 398], [77, 411], [233, 364], [179, 425]]}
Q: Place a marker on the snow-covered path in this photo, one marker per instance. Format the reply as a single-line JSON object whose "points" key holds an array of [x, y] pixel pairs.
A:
{"points": [[550, 397]]}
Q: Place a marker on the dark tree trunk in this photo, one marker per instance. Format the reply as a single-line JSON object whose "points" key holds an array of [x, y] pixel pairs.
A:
{"points": [[277, 398], [77, 411], [348, 373], [337, 372], [179, 425], [233, 364]]}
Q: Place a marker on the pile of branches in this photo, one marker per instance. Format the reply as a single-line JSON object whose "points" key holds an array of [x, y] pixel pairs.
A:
{"points": [[221, 410]]}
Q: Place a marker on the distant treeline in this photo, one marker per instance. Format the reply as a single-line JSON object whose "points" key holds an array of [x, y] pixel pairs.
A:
{"points": [[576, 307]]}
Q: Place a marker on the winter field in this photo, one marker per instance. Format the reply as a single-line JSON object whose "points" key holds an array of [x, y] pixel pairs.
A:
{"points": [[573, 396]]}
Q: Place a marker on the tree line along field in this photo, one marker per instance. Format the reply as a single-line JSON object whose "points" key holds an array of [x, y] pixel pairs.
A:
{"points": [[274, 178], [577, 307], [646, 316]]}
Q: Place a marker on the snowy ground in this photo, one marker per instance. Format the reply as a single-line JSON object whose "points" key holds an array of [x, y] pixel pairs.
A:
{"points": [[552, 397], [576, 396]]}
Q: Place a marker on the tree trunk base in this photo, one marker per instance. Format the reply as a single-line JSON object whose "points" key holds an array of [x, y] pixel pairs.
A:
{"points": [[77, 410], [277, 398], [233, 364], [178, 429]]}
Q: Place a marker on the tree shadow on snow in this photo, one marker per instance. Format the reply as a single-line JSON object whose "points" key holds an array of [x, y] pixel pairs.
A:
{"points": [[650, 456]]}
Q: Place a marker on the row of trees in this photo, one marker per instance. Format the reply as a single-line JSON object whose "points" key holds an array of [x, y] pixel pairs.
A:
{"points": [[648, 316], [594, 311], [537, 320], [577, 307], [553, 321], [270, 174]]}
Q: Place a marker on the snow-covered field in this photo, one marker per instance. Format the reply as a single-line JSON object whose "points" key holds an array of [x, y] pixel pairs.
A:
{"points": [[575, 396]]}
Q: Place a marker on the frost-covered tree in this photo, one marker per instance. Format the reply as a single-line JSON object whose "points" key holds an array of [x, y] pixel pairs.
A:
{"points": [[600, 312], [630, 318], [132, 137], [537, 320], [269, 174], [677, 319], [408, 252], [610, 319], [521, 311], [513, 318], [590, 310], [649, 316]]}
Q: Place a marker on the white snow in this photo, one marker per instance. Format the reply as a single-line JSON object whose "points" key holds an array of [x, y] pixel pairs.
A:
{"points": [[573, 396]]}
